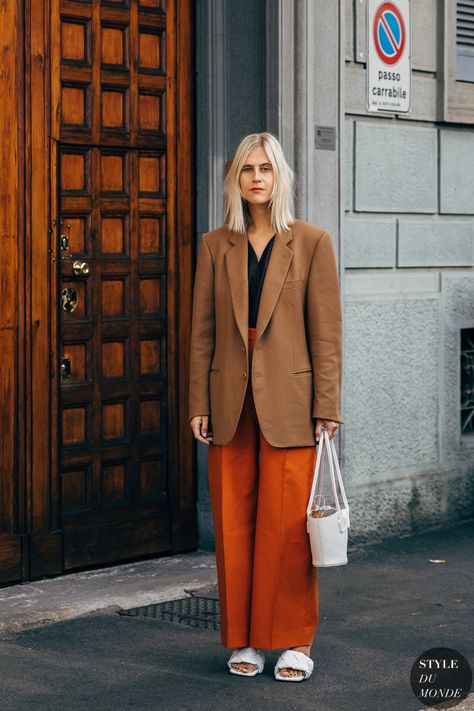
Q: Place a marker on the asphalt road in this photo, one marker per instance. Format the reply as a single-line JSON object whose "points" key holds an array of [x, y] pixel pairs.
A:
{"points": [[377, 615]]}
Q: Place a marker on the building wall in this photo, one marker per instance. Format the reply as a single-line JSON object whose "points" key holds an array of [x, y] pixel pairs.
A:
{"points": [[397, 195], [230, 103], [409, 288]]}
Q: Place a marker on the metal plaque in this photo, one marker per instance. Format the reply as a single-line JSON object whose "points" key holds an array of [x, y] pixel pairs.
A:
{"points": [[325, 138]]}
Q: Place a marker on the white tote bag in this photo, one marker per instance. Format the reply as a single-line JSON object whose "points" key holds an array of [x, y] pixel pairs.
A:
{"points": [[327, 526]]}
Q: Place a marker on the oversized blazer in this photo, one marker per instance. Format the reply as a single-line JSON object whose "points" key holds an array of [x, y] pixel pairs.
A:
{"points": [[297, 359]]}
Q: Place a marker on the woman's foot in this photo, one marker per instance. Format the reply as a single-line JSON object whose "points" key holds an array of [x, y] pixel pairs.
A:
{"points": [[246, 661], [245, 667], [288, 671]]}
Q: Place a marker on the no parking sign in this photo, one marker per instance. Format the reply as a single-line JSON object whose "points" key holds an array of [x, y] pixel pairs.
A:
{"points": [[389, 50]]}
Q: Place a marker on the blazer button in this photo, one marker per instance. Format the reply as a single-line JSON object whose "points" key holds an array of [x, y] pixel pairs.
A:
{"points": [[244, 374]]}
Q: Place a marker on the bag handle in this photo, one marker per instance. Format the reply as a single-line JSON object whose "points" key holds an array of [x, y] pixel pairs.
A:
{"points": [[339, 477], [342, 514], [331, 469], [318, 478]]}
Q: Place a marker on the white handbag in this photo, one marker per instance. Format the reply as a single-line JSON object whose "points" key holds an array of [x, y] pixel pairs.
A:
{"points": [[327, 526]]}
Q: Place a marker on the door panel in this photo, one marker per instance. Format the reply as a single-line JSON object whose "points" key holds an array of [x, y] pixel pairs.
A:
{"points": [[116, 137], [117, 72]]}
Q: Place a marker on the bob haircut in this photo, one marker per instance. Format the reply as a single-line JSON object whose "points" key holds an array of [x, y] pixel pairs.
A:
{"points": [[237, 213]]}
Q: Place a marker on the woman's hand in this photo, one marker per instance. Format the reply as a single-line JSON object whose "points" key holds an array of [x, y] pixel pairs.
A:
{"points": [[330, 425], [200, 428]]}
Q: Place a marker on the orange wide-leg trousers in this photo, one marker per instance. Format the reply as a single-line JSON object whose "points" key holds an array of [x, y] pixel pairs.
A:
{"points": [[268, 590]]}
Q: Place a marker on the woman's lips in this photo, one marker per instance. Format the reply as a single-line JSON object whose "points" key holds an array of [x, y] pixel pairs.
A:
{"points": [[256, 190]]}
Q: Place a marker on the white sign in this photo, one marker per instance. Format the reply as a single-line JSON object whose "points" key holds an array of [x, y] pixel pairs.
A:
{"points": [[389, 50]]}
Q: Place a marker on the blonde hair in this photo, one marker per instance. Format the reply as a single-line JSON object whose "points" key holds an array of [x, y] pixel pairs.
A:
{"points": [[237, 213]]}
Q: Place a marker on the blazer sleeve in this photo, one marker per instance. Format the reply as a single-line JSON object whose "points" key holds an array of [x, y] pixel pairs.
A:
{"points": [[325, 330], [202, 333]]}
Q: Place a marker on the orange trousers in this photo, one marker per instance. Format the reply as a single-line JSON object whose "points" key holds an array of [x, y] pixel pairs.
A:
{"points": [[268, 589]]}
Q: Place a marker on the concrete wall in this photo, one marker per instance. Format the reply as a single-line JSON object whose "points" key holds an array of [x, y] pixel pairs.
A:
{"points": [[397, 194], [230, 103], [409, 288]]}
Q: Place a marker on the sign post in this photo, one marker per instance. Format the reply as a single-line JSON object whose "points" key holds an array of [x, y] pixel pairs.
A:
{"points": [[389, 56]]}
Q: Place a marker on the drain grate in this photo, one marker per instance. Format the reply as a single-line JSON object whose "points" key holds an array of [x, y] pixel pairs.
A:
{"points": [[194, 611]]}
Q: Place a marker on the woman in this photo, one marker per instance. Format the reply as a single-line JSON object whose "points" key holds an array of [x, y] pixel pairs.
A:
{"points": [[265, 377]]}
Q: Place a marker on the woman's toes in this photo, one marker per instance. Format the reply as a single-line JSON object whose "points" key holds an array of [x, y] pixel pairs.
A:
{"points": [[288, 671], [244, 666]]}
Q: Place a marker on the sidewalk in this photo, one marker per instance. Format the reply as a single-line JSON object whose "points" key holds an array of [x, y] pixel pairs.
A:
{"points": [[377, 614], [38, 603]]}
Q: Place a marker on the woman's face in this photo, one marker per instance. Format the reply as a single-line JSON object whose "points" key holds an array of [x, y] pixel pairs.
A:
{"points": [[256, 177]]}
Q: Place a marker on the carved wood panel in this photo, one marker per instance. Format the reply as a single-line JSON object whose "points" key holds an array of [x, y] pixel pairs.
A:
{"points": [[116, 144]]}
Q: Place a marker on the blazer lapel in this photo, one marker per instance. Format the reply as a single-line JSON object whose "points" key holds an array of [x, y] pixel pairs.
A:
{"points": [[236, 259]]}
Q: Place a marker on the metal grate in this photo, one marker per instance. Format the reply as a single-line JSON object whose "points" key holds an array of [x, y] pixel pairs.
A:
{"points": [[467, 380], [465, 40], [195, 611], [465, 23]]}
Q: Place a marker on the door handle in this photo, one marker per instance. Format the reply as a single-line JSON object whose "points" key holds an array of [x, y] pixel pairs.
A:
{"points": [[81, 268]]}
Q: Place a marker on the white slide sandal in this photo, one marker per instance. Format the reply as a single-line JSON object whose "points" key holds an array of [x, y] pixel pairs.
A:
{"points": [[295, 660], [249, 655]]}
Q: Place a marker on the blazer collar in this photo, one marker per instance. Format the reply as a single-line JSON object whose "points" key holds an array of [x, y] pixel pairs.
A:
{"points": [[235, 237], [236, 259]]}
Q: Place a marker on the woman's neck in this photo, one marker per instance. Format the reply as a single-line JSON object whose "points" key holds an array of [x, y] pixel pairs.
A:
{"points": [[261, 220]]}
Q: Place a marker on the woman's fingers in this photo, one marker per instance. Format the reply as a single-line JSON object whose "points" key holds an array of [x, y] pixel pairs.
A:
{"points": [[329, 425], [200, 427], [207, 435]]}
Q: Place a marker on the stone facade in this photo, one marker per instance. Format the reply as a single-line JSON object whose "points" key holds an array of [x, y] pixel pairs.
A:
{"points": [[397, 194]]}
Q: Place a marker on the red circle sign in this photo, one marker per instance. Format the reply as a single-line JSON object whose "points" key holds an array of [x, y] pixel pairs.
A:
{"points": [[389, 33]]}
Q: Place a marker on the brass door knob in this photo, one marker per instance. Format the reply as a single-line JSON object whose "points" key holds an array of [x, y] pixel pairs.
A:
{"points": [[81, 268]]}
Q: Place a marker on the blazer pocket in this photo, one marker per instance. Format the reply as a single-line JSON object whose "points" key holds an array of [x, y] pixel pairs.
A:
{"points": [[215, 370], [292, 283], [304, 371]]}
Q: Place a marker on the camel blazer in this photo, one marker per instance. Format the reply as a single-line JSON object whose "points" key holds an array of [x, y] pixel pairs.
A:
{"points": [[297, 359]]}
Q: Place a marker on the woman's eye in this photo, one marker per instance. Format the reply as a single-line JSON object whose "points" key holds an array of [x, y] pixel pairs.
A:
{"points": [[265, 169]]}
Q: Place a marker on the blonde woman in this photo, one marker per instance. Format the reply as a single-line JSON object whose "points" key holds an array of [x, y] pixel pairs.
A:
{"points": [[265, 377]]}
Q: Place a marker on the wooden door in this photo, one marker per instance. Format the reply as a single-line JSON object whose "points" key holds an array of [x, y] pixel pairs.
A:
{"points": [[115, 82], [97, 460]]}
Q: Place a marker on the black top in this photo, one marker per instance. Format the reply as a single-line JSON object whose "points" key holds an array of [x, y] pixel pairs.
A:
{"points": [[256, 274]]}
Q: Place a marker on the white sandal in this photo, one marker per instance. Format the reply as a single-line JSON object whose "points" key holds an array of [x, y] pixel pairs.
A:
{"points": [[249, 655], [295, 660]]}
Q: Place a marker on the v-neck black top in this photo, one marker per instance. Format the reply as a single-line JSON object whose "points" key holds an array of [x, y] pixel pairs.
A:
{"points": [[256, 275]]}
